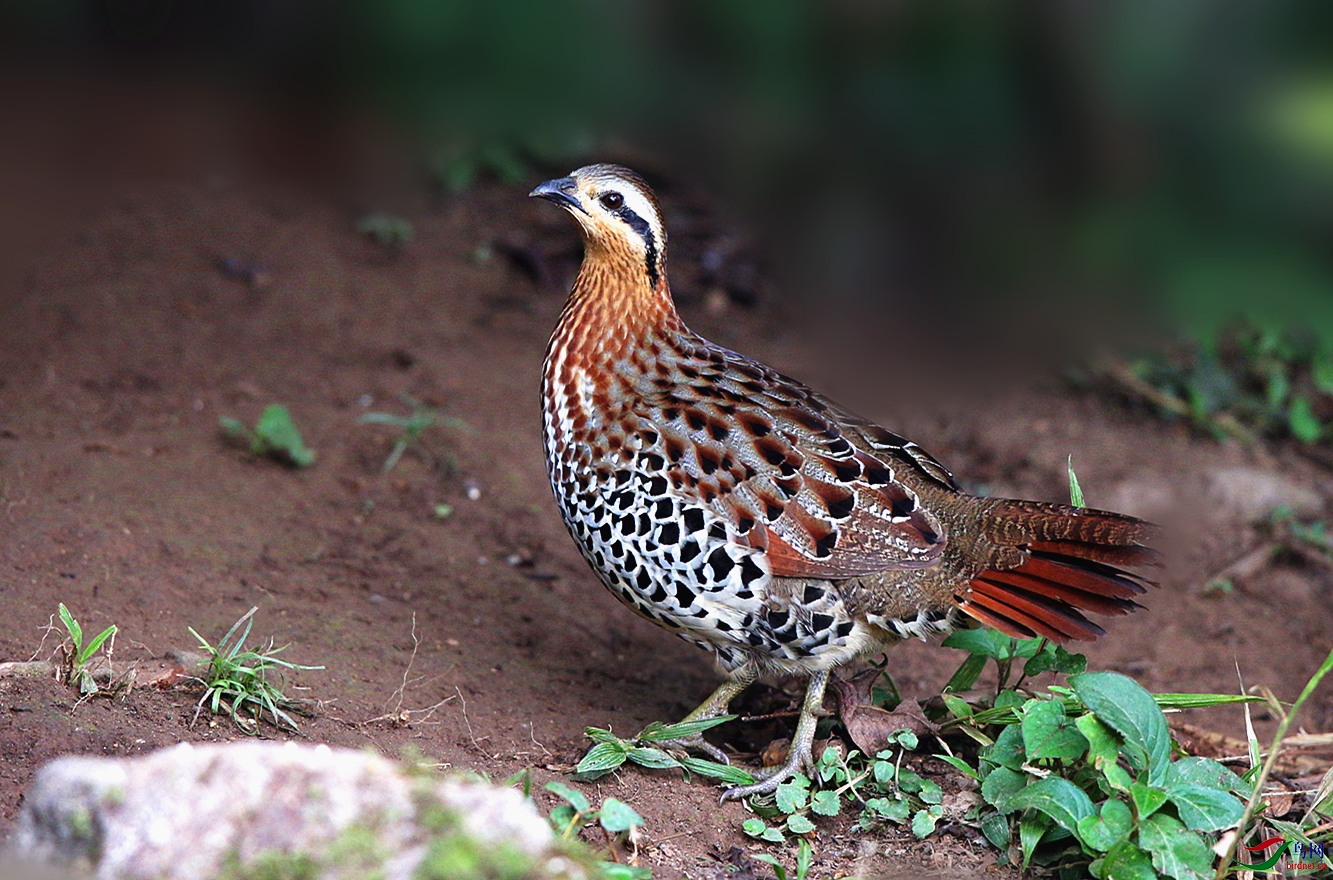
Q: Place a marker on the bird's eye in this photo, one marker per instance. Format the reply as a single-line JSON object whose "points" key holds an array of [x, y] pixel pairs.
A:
{"points": [[612, 200]]}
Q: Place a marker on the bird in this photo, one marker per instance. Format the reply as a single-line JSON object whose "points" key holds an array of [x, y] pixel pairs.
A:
{"points": [[762, 521]]}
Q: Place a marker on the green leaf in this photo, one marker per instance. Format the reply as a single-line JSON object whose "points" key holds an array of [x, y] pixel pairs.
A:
{"points": [[71, 626], [1304, 424], [805, 855], [959, 764], [792, 795], [1279, 386], [1075, 490], [1321, 370], [996, 828], [1147, 799], [1047, 733], [1001, 785], [232, 428], [280, 436], [778, 870], [957, 706], [754, 827], [1103, 750], [1205, 809], [1032, 827], [1054, 658], [884, 771], [721, 772], [96, 643], [598, 735], [659, 732], [522, 778], [984, 642], [1175, 852], [1131, 711], [563, 819], [923, 823], [1028, 647], [828, 769], [909, 781], [798, 824], [965, 677], [825, 803], [1126, 861], [930, 792], [1205, 772], [617, 871], [575, 798], [1105, 830], [895, 809], [1007, 750], [905, 738], [655, 759], [601, 760], [1058, 798], [617, 816]]}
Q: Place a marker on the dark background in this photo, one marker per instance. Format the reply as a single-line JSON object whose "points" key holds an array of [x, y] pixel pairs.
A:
{"points": [[1173, 159]]}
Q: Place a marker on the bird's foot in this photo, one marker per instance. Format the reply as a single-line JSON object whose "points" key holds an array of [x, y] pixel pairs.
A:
{"points": [[800, 760], [696, 744]]}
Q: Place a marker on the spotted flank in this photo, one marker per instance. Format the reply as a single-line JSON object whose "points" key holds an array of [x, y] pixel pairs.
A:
{"points": [[685, 567], [926, 623]]}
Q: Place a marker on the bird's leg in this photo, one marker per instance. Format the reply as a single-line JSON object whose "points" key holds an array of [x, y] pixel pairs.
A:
{"points": [[801, 756], [737, 680]]}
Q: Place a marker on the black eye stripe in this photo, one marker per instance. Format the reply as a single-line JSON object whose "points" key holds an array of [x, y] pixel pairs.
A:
{"points": [[645, 231]]}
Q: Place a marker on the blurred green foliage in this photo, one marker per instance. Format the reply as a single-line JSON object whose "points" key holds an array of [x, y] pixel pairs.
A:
{"points": [[1171, 158]]}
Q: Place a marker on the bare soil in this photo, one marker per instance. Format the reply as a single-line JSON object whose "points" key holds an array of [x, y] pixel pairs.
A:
{"points": [[125, 339]]}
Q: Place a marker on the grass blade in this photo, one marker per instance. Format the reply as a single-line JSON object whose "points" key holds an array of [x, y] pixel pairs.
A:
{"points": [[71, 626]]}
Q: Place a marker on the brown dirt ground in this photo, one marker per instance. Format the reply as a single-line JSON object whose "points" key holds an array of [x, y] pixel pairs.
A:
{"points": [[124, 343]]}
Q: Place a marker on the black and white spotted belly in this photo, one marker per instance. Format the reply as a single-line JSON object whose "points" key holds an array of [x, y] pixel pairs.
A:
{"points": [[674, 563]]}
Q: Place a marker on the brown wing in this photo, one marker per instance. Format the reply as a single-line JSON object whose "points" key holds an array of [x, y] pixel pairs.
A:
{"points": [[777, 461]]}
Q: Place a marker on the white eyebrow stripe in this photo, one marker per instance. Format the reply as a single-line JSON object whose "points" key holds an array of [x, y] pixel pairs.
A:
{"points": [[637, 202]]}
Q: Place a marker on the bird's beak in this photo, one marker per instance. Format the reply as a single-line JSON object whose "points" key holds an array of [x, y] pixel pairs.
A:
{"points": [[561, 191]]}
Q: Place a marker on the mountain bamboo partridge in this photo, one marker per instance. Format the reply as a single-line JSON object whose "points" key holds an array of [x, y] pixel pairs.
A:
{"points": [[762, 521]]}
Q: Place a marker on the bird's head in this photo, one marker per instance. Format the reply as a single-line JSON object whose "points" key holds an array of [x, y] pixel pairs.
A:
{"points": [[619, 215]]}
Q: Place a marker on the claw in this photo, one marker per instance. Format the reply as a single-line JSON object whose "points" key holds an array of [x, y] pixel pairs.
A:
{"points": [[801, 760], [696, 743]]}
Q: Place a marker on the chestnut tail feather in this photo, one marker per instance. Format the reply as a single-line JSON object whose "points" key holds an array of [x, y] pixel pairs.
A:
{"points": [[1074, 561]]}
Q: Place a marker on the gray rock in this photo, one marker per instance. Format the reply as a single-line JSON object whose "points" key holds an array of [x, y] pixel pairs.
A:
{"points": [[229, 811], [1254, 493]]}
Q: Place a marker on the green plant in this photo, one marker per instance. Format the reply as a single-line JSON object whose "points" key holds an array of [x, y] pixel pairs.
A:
{"points": [[237, 681], [1094, 783], [804, 857], [411, 427], [1302, 831], [1043, 762], [74, 667], [388, 230], [880, 787], [616, 818], [610, 752], [275, 436], [1075, 490], [1251, 377]]}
